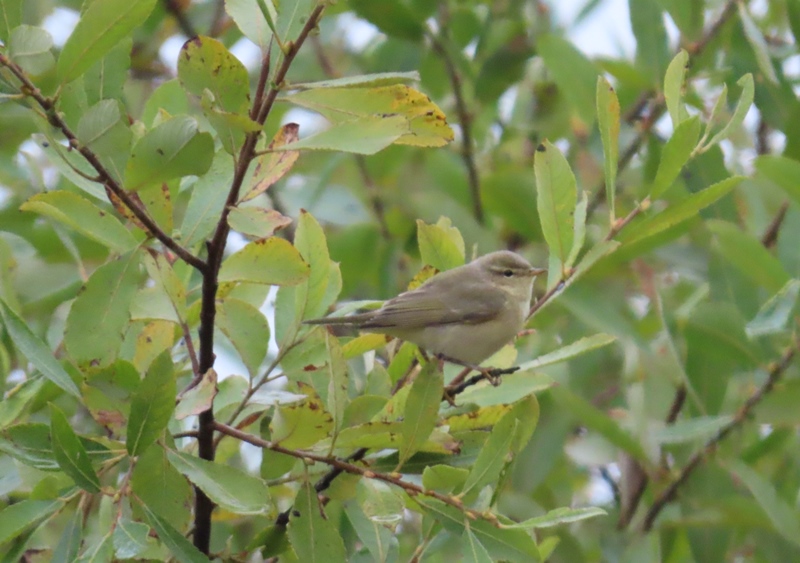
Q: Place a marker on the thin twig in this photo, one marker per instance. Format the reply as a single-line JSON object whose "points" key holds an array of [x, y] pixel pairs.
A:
{"points": [[770, 237], [438, 42], [187, 338], [775, 372], [346, 467], [180, 16], [104, 176], [374, 196]]}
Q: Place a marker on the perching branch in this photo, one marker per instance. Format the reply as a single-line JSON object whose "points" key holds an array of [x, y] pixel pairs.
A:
{"points": [[775, 372], [104, 177]]}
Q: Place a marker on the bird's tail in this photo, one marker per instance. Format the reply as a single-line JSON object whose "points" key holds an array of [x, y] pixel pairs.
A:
{"points": [[348, 320]]}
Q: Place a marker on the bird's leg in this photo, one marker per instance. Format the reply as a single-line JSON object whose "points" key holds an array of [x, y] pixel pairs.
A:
{"points": [[492, 374]]}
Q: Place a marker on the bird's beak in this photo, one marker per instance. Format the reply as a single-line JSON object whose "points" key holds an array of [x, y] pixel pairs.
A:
{"points": [[533, 272]]}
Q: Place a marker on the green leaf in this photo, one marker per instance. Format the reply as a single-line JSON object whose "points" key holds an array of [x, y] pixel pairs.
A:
{"points": [[782, 515], [257, 221], [106, 394], [247, 329], [773, 317], [336, 368], [85, 217], [164, 276], [152, 405], [69, 164], [652, 42], [502, 544], [556, 199], [582, 346], [440, 245], [376, 538], [29, 47], [106, 78], [363, 135], [758, 44], [99, 315], [10, 17], [748, 255], [130, 538], [514, 386], [595, 419], [675, 155], [742, 107], [102, 25], [272, 261], [159, 485], [364, 109], [608, 123], [231, 488], [473, 550], [422, 409], [558, 516], [172, 149], [361, 81], [699, 428], [393, 17], [70, 541], [680, 212], [205, 63], [252, 20], [181, 548], [103, 130], [208, 198], [35, 350], [291, 18], [574, 74], [508, 437], [781, 170], [380, 502], [70, 453], [579, 234], [313, 296], [272, 166], [673, 88], [312, 535], [444, 478], [301, 425], [18, 517]]}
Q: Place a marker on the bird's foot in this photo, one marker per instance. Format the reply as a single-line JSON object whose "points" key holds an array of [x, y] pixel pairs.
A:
{"points": [[493, 374]]}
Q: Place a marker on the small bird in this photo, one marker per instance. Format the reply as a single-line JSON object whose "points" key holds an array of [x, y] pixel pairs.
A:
{"points": [[463, 315]]}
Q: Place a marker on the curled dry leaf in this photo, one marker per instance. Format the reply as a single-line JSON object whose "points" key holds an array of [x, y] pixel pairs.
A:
{"points": [[272, 166]]}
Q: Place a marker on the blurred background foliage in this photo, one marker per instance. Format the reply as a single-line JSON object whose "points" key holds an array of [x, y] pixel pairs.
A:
{"points": [[693, 409]]}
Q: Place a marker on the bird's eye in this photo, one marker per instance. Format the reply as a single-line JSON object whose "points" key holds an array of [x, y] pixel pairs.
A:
{"points": [[508, 273]]}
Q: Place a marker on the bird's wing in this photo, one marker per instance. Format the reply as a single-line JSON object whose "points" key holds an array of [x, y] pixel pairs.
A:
{"points": [[431, 305]]}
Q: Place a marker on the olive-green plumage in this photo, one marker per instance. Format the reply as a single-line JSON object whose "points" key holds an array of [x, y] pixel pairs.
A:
{"points": [[465, 314]]}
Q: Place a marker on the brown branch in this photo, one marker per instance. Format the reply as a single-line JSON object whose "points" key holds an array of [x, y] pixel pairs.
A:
{"points": [[180, 16], [346, 467], [262, 105], [464, 118], [104, 176], [770, 237], [374, 196], [775, 372]]}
